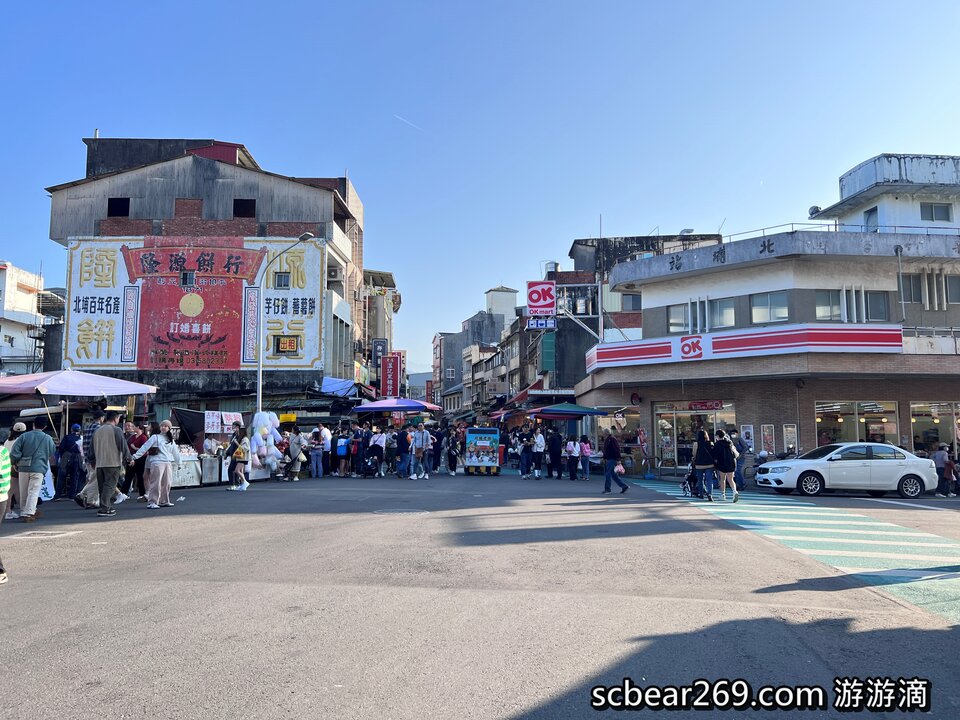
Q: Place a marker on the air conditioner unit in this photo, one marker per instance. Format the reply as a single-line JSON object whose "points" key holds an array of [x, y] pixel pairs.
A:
{"points": [[334, 274]]}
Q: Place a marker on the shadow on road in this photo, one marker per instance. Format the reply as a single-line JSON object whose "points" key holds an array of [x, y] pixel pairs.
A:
{"points": [[774, 652], [873, 578]]}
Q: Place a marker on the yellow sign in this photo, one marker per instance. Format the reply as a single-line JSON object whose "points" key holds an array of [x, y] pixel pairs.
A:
{"points": [[288, 417]]}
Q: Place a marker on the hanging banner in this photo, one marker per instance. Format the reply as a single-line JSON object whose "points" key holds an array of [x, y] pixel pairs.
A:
{"points": [[390, 376]]}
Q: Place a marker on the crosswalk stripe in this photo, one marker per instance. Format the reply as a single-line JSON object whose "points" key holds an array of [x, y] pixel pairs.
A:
{"points": [[860, 541], [829, 552], [931, 574], [812, 521], [826, 531], [818, 511]]}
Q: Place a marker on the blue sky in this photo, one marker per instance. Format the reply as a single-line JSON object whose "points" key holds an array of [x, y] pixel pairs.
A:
{"points": [[483, 138]]}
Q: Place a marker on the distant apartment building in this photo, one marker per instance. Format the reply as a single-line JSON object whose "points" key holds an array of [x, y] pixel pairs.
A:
{"points": [[30, 322]]}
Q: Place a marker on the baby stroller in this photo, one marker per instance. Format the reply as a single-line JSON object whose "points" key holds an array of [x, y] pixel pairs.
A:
{"points": [[689, 484], [370, 467]]}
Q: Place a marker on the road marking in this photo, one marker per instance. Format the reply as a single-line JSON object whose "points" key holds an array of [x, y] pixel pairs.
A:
{"points": [[42, 534], [931, 574], [881, 555], [908, 504], [884, 533], [851, 541], [876, 523], [777, 511]]}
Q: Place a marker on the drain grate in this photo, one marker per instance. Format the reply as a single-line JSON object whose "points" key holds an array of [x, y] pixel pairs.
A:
{"points": [[401, 511], [43, 534]]}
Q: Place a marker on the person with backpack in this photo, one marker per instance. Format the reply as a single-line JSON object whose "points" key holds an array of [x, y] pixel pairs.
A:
{"points": [[377, 448], [239, 455], [703, 464], [343, 453], [725, 455], [32, 454], [71, 462]]}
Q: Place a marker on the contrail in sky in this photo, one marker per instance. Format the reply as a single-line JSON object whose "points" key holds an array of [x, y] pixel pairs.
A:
{"points": [[404, 120]]}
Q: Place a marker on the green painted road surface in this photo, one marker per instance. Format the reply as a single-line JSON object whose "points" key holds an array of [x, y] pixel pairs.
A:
{"points": [[919, 567]]}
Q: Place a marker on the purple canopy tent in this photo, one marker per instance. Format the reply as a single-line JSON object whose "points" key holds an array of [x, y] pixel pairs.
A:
{"points": [[397, 405]]}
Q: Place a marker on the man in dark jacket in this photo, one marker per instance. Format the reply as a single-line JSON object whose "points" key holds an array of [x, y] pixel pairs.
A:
{"points": [[611, 456], [741, 447], [71, 460], [554, 451]]}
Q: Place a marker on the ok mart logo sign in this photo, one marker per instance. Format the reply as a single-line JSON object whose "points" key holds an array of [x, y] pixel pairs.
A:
{"points": [[541, 297], [691, 347]]}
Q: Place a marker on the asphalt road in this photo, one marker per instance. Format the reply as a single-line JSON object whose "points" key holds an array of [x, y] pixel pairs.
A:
{"points": [[466, 598]]}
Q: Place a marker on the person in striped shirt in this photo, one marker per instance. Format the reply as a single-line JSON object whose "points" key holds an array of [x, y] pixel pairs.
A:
{"points": [[4, 493]]}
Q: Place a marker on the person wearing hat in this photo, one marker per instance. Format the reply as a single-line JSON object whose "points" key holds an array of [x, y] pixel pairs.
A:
{"points": [[33, 453], [16, 431], [940, 461], [71, 460]]}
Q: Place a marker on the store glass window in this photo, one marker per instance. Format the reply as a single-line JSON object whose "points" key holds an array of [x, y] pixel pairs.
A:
{"points": [[868, 421], [676, 429], [722, 313], [932, 423], [828, 305], [769, 307], [678, 317]]}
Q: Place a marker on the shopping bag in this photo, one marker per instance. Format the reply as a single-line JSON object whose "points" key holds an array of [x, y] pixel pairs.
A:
{"points": [[47, 490]]}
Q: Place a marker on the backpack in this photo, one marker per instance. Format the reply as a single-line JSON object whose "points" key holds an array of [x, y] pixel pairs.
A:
{"points": [[342, 447]]}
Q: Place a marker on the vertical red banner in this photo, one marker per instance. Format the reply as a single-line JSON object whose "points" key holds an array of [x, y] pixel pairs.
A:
{"points": [[390, 376]]}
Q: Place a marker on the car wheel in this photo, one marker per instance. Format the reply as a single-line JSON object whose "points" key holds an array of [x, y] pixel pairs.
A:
{"points": [[783, 491], [910, 487], [876, 493], [810, 484]]}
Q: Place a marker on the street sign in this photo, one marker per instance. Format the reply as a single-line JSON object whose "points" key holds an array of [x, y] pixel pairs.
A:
{"points": [[541, 323], [542, 297], [390, 376], [379, 350]]}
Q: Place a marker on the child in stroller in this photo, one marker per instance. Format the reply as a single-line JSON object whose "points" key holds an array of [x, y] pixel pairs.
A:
{"points": [[370, 467]]}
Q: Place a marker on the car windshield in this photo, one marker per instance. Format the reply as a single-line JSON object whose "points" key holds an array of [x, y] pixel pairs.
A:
{"points": [[820, 452]]}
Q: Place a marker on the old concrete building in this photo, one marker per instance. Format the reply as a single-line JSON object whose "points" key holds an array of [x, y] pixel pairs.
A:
{"points": [[842, 332], [174, 251]]}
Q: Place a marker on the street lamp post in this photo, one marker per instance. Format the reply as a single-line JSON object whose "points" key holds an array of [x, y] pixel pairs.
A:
{"points": [[260, 349]]}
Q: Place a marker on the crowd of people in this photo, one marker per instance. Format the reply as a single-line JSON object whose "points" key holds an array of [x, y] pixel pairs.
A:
{"points": [[358, 450]]}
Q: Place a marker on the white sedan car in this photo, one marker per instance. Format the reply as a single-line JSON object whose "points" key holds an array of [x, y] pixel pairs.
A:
{"points": [[872, 467]]}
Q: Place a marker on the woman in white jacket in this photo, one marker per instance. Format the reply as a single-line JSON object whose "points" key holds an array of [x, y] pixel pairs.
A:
{"points": [[162, 452]]}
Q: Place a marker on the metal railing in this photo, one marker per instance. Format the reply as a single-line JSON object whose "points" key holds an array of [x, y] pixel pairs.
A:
{"points": [[846, 227]]}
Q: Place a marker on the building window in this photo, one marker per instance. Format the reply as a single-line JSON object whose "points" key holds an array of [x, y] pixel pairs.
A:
{"points": [[828, 305], [872, 421], [769, 308], [188, 278], [871, 220], [631, 303], [936, 212], [450, 374], [877, 307], [281, 280], [678, 318], [953, 289], [8, 339], [244, 208], [723, 313], [911, 289], [118, 207]]}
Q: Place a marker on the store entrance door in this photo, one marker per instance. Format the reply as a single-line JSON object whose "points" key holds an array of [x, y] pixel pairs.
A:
{"points": [[677, 425]]}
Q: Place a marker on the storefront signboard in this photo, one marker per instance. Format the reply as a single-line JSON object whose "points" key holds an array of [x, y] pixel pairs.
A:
{"points": [[541, 298], [762, 341], [192, 303], [483, 447], [746, 432]]}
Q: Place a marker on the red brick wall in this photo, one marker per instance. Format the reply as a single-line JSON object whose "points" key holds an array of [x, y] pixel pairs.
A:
{"points": [[188, 208], [121, 227], [292, 229], [627, 319], [198, 227]]}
